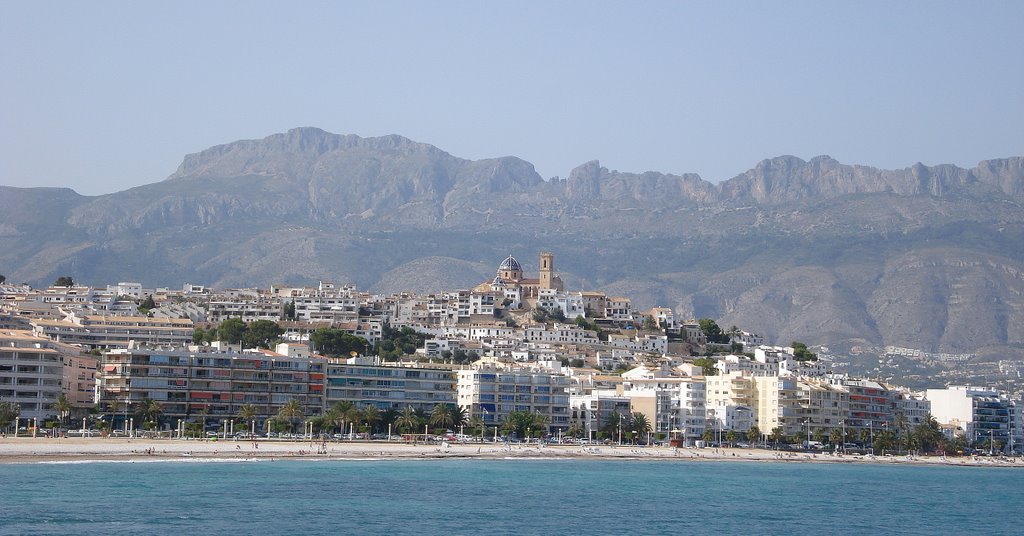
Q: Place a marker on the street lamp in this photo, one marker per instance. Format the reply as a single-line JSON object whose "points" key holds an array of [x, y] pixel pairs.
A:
{"points": [[843, 422], [808, 423]]}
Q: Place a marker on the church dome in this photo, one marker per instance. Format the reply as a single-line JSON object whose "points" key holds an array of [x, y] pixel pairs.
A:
{"points": [[510, 264]]}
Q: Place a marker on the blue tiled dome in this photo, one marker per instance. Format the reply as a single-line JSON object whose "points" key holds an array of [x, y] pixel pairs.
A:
{"points": [[510, 264]]}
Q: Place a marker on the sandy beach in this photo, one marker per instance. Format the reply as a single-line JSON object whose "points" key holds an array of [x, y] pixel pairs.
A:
{"points": [[49, 450]]}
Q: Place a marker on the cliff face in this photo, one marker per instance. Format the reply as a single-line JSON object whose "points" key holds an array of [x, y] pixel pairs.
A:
{"points": [[928, 257]]}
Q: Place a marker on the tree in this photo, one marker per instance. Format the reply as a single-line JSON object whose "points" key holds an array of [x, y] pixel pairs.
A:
{"points": [[342, 412], [335, 342], [149, 412], [64, 281], [927, 436], [524, 423], [407, 422], [147, 305], [754, 435], [708, 435], [288, 313], [441, 416], [613, 424], [247, 412], [801, 353], [199, 335], [63, 408], [291, 412], [9, 411], [884, 440], [900, 424], [640, 424], [707, 365], [778, 434], [731, 436], [231, 330], [459, 416], [835, 437], [819, 435], [2, 279], [332, 419], [261, 334], [370, 414], [575, 430], [476, 425], [712, 332]]}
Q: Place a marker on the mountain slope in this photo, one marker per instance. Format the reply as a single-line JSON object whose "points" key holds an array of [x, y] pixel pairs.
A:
{"points": [[927, 257]]}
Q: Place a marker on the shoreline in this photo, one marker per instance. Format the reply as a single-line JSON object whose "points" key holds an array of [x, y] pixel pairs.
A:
{"points": [[99, 450]]}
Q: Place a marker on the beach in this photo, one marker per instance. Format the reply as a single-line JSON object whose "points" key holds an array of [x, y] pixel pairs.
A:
{"points": [[39, 450]]}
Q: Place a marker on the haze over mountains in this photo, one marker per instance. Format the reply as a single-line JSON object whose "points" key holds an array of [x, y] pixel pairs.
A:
{"points": [[928, 257]]}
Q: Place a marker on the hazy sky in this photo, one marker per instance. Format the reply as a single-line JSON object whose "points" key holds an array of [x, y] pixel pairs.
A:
{"points": [[103, 96]]}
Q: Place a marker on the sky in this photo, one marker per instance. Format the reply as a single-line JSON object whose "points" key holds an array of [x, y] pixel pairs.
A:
{"points": [[105, 96]]}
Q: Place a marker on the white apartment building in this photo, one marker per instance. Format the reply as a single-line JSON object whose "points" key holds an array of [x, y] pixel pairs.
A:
{"points": [[981, 413], [730, 401], [592, 411], [562, 334], [249, 310], [106, 332], [488, 390], [655, 344], [30, 373], [674, 405], [618, 309]]}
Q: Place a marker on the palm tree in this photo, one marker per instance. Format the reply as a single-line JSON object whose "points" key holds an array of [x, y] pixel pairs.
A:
{"points": [[388, 416], [459, 416], [370, 415], [477, 422], [754, 435], [343, 412], [247, 413], [8, 412], [778, 433], [149, 412], [441, 416], [334, 419], [407, 421], [290, 412], [63, 407], [835, 437], [901, 425], [613, 424], [540, 423], [640, 424], [575, 430]]}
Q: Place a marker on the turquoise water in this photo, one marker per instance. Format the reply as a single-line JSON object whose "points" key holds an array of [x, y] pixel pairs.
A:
{"points": [[507, 497]]}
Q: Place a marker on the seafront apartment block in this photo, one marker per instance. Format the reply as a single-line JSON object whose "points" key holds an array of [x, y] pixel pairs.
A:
{"points": [[366, 381], [190, 384]]}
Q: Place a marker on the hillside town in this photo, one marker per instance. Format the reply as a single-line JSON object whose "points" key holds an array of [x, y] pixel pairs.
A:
{"points": [[515, 357]]}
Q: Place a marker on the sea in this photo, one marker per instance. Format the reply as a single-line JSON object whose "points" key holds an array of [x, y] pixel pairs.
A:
{"points": [[551, 497]]}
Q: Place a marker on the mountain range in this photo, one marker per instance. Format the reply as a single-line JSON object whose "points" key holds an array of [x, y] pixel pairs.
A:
{"points": [[928, 257]]}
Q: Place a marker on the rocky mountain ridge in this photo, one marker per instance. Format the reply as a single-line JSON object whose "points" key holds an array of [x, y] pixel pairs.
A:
{"points": [[927, 256]]}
